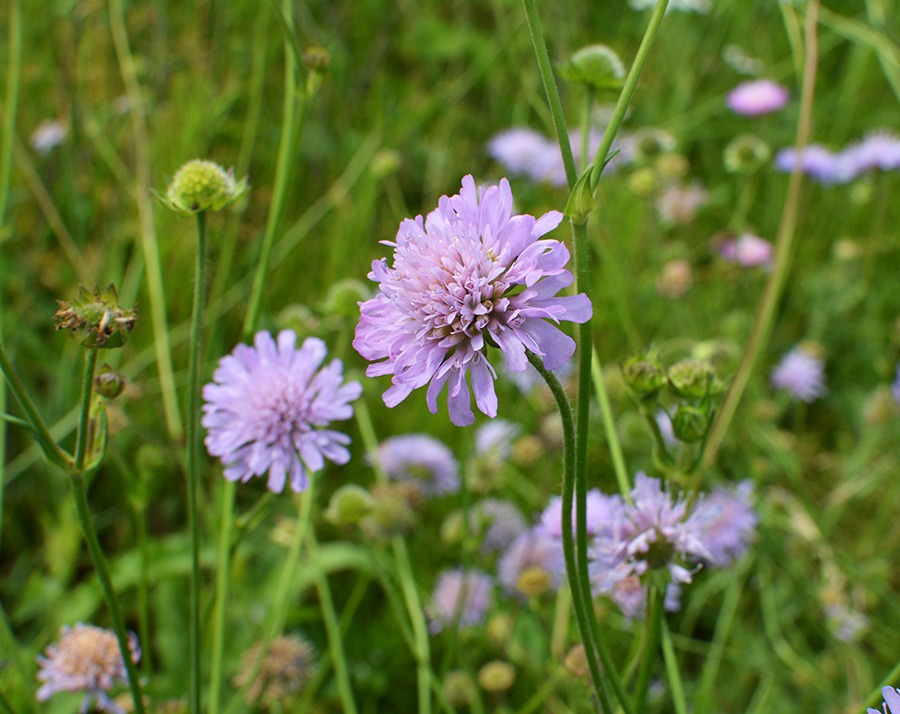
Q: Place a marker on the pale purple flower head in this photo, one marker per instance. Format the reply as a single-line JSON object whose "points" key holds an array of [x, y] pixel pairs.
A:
{"points": [[498, 523], [648, 533], [268, 408], [891, 703], [532, 549], [801, 375], [756, 97], [495, 438], [727, 522], [666, 430], [879, 150], [747, 250], [896, 388], [816, 161], [422, 460], [461, 598], [86, 659], [602, 512], [468, 277], [49, 134]]}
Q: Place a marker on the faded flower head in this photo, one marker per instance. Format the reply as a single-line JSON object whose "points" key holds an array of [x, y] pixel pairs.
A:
{"points": [[95, 319], [201, 185], [461, 597], [286, 666], [85, 659], [747, 250], [268, 408], [468, 277], [421, 460], [675, 279], [757, 97], [801, 375], [891, 703], [679, 203]]}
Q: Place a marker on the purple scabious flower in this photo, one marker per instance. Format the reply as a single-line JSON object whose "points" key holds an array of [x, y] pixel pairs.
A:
{"points": [[422, 460], [647, 534], [757, 97], [801, 375], [86, 659], [532, 549], [727, 522], [495, 438], [469, 276], [461, 597], [268, 408], [878, 150], [747, 250], [896, 388], [602, 512], [498, 523], [816, 161], [891, 702]]}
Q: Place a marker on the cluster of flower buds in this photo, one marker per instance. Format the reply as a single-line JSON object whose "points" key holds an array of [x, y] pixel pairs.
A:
{"points": [[95, 319]]}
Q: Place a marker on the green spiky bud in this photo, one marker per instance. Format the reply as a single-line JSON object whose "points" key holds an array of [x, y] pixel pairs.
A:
{"points": [[597, 67], [645, 377], [694, 379], [95, 319], [689, 424], [349, 505], [201, 185], [108, 383]]}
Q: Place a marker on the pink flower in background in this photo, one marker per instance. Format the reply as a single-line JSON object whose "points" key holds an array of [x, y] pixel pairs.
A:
{"points": [[760, 96], [747, 250], [468, 277]]}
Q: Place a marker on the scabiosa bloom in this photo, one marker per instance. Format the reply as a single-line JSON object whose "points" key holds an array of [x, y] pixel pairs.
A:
{"points": [[891, 703], [879, 150], [896, 388], [759, 96], [533, 552], [801, 375], [602, 512], [268, 408], [422, 460], [816, 161], [461, 597], [727, 522], [498, 523], [495, 438], [469, 276], [525, 152], [647, 534], [286, 667], [49, 134], [747, 250], [702, 7], [86, 659]]}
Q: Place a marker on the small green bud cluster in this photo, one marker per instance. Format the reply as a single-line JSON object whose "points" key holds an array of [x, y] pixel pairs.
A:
{"points": [[95, 319], [383, 511], [201, 185], [596, 67]]}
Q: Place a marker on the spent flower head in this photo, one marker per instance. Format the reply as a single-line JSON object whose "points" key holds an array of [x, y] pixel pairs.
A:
{"points": [[201, 185], [469, 277], [286, 666], [85, 659], [268, 408], [95, 319]]}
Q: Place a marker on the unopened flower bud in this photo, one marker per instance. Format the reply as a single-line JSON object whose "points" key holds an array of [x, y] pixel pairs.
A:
{"points": [[689, 424], [453, 529], [644, 377], [576, 663], [344, 296], [348, 505], [496, 676], [499, 629], [642, 182], [745, 154], [672, 166], [459, 688], [692, 379], [201, 185], [597, 67], [109, 383], [96, 320], [316, 58]]}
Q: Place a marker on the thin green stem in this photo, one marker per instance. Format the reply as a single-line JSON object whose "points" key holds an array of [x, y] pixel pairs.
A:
{"points": [[51, 448], [333, 630], [222, 573], [291, 120], [115, 614], [652, 627], [82, 435], [765, 313], [193, 459], [568, 497], [675, 684], [628, 88], [609, 428]]}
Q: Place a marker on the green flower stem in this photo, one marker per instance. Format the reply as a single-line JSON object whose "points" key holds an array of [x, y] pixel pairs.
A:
{"points": [[765, 313], [115, 614], [332, 629], [675, 683], [403, 566], [609, 428], [568, 495], [222, 573], [628, 88], [51, 449], [149, 244], [82, 435], [291, 122], [193, 459], [652, 628]]}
